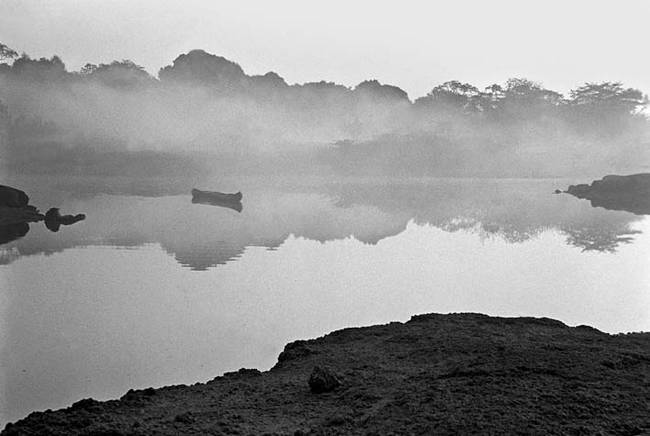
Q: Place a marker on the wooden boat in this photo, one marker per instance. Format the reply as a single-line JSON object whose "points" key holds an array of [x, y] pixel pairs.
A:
{"points": [[234, 205], [219, 197]]}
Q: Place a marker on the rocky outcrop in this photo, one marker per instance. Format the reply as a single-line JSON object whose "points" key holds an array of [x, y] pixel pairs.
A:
{"points": [[12, 197], [15, 208], [17, 215], [54, 220], [436, 374], [11, 232], [629, 193]]}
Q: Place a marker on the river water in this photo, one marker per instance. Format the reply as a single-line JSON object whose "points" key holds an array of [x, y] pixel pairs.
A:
{"points": [[152, 289]]}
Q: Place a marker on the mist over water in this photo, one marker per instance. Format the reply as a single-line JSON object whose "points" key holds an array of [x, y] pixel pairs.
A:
{"points": [[203, 113], [153, 289], [359, 204]]}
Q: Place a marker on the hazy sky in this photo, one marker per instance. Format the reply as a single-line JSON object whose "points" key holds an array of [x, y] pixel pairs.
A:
{"points": [[412, 44]]}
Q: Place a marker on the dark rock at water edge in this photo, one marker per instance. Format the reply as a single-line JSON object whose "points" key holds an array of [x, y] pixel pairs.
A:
{"points": [[436, 374], [15, 208], [12, 197], [629, 193], [11, 232], [54, 220], [16, 215]]}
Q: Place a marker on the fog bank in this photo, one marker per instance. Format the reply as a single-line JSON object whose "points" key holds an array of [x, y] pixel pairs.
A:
{"points": [[205, 105]]}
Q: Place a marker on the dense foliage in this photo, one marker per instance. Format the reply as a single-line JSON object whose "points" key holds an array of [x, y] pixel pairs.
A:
{"points": [[203, 102]]}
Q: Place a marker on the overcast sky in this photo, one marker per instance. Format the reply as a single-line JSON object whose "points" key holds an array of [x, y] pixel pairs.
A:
{"points": [[412, 44]]}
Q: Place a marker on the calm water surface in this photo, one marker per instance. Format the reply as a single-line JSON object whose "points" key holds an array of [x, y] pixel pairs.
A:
{"points": [[155, 290]]}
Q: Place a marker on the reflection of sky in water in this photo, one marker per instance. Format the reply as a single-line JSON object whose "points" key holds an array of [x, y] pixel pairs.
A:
{"points": [[93, 320]]}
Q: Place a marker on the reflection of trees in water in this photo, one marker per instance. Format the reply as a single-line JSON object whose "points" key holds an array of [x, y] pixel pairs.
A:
{"points": [[604, 240], [8, 234], [8, 255], [512, 235], [515, 211], [201, 258], [201, 238], [586, 238], [488, 230], [208, 257], [604, 235]]}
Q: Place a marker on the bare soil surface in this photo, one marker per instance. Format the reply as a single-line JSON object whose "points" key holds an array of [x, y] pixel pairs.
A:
{"points": [[436, 374]]}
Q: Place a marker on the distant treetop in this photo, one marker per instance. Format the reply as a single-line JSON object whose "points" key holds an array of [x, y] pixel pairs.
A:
{"points": [[377, 90], [118, 74], [42, 70], [7, 53], [610, 95], [201, 67]]}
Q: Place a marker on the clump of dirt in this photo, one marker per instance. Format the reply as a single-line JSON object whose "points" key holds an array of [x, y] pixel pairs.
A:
{"points": [[436, 374]]}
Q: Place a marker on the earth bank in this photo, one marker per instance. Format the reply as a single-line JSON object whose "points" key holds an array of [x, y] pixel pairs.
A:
{"points": [[435, 374]]}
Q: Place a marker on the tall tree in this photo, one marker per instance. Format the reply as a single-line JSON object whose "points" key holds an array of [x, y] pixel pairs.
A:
{"points": [[452, 95], [201, 68], [41, 70], [606, 108], [7, 53], [609, 96], [124, 74]]}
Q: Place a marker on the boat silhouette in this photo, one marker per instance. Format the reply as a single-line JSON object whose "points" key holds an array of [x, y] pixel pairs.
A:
{"points": [[212, 198]]}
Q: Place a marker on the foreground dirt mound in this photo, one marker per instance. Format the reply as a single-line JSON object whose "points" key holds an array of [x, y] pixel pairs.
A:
{"points": [[436, 374]]}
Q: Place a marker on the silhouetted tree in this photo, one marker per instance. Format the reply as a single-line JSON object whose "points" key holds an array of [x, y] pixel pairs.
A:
{"points": [[452, 95], [444, 108], [269, 87], [490, 100], [321, 97], [452, 128], [7, 53], [527, 91], [201, 68], [525, 100], [88, 69], [373, 90], [611, 97], [41, 70], [378, 109], [124, 74], [270, 80], [605, 108]]}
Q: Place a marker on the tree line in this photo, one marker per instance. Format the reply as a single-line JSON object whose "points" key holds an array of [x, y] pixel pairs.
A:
{"points": [[210, 102]]}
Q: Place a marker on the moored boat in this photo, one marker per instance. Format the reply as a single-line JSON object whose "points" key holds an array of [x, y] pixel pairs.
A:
{"points": [[216, 196]]}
